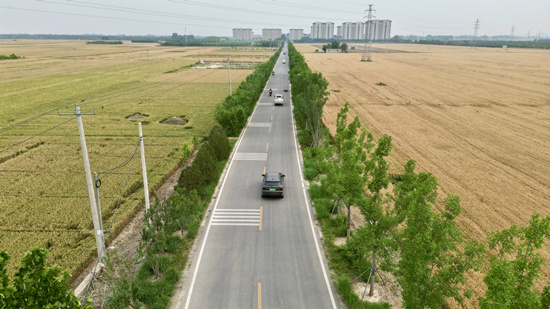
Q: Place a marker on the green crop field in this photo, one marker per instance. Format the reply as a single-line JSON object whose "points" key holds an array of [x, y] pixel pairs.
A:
{"points": [[43, 192]]}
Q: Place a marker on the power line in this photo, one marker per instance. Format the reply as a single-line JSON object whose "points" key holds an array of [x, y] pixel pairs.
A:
{"points": [[148, 12], [231, 8], [125, 162], [307, 7], [27, 139], [13, 126], [110, 225], [107, 17]]}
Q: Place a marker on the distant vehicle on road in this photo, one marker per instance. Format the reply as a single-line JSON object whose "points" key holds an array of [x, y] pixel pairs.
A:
{"points": [[285, 88], [273, 184], [273, 73], [278, 99], [284, 61], [270, 92]]}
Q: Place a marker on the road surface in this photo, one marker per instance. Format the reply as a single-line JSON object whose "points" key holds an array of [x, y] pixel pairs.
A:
{"points": [[260, 252]]}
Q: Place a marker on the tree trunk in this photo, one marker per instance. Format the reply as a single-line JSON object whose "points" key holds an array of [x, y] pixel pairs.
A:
{"points": [[373, 269]]}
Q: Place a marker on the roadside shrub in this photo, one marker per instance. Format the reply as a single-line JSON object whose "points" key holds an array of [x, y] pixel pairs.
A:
{"points": [[310, 169], [206, 163], [233, 113], [219, 143], [191, 178], [315, 191], [323, 206]]}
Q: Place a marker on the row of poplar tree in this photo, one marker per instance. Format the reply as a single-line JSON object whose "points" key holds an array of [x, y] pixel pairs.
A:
{"points": [[407, 229]]}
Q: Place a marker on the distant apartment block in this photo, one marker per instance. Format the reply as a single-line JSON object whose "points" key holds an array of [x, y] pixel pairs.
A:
{"points": [[321, 30], [352, 31], [378, 29], [271, 34], [296, 34], [242, 34]]}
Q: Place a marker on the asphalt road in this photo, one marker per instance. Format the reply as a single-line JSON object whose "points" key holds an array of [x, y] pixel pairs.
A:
{"points": [[260, 252]]}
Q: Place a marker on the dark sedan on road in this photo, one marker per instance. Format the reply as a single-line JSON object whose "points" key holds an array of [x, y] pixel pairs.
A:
{"points": [[273, 184]]}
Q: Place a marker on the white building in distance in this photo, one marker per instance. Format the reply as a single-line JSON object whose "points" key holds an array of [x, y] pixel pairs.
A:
{"points": [[296, 34], [352, 31], [271, 34], [242, 34], [378, 29], [321, 30]]}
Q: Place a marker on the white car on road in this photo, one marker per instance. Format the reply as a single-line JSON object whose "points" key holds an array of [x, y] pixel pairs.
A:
{"points": [[278, 99]]}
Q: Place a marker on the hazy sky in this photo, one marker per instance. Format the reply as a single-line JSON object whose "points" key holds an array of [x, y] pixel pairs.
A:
{"points": [[216, 17]]}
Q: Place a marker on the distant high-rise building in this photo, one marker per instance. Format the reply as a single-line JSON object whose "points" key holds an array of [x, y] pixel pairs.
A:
{"points": [[352, 31], [378, 29], [242, 34], [321, 30], [339, 32], [296, 34], [271, 34]]}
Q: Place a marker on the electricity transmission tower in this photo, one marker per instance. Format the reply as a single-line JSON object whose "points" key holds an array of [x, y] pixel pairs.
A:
{"points": [[512, 32], [476, 28], [369, 27]]}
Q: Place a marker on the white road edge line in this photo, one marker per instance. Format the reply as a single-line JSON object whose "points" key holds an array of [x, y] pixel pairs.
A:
{"points": [[235, 150], [309, 214]]}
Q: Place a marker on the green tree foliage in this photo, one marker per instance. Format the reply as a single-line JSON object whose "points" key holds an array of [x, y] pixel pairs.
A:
{"points": [[12, 56], [515, 267], [202, 172], [36, 286], [344, 47], [154, 236], [182, 209], [191, 178], [219, 142], [206, 162], [380, 215], [234, 111], [118, 275], [432, 263], [308, 97], [346, 162]]}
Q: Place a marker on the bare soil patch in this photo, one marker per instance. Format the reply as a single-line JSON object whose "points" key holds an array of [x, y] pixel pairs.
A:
{"points": [[175, 121]]}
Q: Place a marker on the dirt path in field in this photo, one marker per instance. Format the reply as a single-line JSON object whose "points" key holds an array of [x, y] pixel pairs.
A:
{"points": [[478, 119]]}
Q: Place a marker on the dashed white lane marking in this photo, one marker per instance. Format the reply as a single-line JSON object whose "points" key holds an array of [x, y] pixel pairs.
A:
{"points": [[250, 156], [259, 125], [244, 217]]}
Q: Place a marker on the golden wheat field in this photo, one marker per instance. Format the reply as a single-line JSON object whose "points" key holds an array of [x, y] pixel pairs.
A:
{"points": [[43, 192], [478, 119]]}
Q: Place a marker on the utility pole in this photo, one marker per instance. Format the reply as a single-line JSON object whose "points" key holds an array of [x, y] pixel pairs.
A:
{"points": [[96, 217], [97, 184], [512, 32], [144, 169], [476, 28], [229, 72], [369, 27]]}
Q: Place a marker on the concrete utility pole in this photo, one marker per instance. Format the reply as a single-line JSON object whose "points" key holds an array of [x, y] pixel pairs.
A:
{"points": [[369, 27], [144, 169], [96, 214], [97, 184], [476, 28], [229, 72]]}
